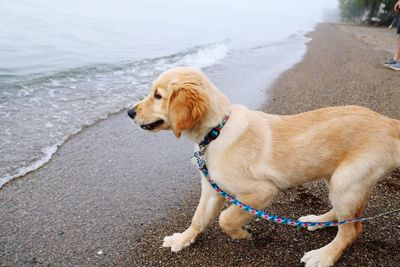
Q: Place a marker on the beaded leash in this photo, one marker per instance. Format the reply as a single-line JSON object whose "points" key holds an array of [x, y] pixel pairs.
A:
{"points": [[198, 159]]}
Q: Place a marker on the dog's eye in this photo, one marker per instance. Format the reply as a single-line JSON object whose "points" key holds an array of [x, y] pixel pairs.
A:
{"points": [[157, 96]]}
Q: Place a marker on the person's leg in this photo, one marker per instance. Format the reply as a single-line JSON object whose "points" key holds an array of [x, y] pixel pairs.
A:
{"points": [[397, 54]]}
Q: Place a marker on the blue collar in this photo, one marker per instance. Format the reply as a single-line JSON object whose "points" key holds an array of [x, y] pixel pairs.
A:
{"points": [[213, 133], [197, 158]]}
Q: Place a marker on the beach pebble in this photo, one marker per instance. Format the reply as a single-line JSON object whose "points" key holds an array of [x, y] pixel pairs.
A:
{"points": [[32, 260]]}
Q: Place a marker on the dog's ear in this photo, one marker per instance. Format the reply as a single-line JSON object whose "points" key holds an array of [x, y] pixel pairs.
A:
{"points": [[187, 106]]}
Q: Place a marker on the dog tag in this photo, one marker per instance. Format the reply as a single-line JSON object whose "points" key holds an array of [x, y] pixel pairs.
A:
{"points": [[198, 160]]}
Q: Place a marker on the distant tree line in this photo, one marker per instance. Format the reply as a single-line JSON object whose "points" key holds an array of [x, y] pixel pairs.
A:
{"points": [[375, 11]]}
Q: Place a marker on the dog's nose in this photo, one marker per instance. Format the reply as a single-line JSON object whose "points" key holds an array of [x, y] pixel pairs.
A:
{"points": [[132, 113]]}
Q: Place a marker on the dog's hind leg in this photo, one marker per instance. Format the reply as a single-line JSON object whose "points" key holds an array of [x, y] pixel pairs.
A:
{"points": [[349, 188], [233, 219], [326, 217], [330, 216]]}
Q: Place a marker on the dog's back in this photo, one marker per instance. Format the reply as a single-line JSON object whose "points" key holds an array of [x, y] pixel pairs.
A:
{"points": [[315, 143]]}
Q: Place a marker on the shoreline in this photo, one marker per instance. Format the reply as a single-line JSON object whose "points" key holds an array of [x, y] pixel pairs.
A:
{"points": [[62, 218], [51, 151], [349, 73]]}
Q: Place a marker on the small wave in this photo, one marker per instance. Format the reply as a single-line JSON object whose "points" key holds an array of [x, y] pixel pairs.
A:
{"points": [[51, 108], [298, 37], [205, 57], [48, 153], [200, 57]]}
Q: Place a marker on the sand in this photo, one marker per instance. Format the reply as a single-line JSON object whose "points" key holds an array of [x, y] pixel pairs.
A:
{"points": [[381, 38], [99, 204]]}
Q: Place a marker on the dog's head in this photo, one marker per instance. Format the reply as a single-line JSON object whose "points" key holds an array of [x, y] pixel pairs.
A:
{"points": [[177, 101]]}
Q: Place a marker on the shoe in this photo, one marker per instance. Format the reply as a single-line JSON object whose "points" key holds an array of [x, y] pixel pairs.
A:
{"points": [[395, 66], [389, 62]]}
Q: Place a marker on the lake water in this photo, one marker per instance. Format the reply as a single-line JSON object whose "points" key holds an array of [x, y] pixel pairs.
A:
{"points": [[66, 64]]}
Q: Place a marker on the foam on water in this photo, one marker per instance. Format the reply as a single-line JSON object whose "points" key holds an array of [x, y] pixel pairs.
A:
{"points": [[38, 115]]}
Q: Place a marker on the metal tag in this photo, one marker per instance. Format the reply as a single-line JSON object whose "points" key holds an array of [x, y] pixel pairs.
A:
{"points": [[198, 160]]}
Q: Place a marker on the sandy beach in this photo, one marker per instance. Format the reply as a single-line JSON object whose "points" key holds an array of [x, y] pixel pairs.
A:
{"points": [[99, 202]]}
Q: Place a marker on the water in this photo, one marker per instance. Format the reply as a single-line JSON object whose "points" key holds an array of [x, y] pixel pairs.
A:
{"points": [[66, 64]]}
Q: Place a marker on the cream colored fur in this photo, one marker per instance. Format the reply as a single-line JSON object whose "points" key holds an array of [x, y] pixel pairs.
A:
{"points": [[257, 155]]}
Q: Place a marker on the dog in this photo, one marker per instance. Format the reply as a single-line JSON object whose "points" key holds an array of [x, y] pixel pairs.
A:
{"points": [[257, 154]]}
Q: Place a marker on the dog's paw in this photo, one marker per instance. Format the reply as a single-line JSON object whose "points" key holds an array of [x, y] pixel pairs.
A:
{"points": [[318, 258], [311, 218], [239, 234], [177, 241]]}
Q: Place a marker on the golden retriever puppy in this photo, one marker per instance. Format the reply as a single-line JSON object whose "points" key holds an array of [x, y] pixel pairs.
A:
{"points": [[256, 155]]}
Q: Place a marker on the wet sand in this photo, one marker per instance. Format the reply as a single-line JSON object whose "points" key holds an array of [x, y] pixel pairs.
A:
{"points": [[99, 203]]}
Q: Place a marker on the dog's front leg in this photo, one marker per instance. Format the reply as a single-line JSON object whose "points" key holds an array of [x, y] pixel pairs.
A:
{"points": [[209, 207]]}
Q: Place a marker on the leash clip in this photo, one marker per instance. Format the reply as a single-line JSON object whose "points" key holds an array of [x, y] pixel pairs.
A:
{"points": [[198, 159]]}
